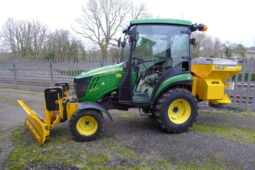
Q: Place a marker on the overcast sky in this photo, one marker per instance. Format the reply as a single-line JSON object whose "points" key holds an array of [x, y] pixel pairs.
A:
{"points": [[229, 20]]}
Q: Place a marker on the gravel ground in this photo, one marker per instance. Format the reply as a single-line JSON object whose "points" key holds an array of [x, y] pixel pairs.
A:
{"points": [[218, 140]]}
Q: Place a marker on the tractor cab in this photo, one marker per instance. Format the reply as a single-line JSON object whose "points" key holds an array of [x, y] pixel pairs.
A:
{"points": [[154, 50]]}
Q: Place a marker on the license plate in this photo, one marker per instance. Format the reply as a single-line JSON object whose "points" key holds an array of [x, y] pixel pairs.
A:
{"points": [[230, 85]]}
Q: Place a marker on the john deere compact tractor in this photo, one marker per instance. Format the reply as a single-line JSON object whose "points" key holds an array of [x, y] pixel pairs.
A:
{"points": [[156, 75]]}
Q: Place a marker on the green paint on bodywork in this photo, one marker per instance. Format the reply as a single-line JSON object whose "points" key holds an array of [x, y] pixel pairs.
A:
{"points": [[171, 80], [103, 80], [161, 21], [101, 70], [133, 78]]}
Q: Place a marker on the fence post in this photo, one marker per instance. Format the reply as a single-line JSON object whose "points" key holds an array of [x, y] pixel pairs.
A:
{"points": [[249, 83], [51, 73], [235, 88], [244, 67], [15, 75]]}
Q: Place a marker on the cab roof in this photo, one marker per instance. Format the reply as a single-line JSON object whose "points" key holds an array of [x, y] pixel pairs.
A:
{"points": [[161, 21]]}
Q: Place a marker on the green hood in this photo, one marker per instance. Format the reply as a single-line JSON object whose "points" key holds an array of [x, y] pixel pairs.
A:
{"points": [[101, 70]]}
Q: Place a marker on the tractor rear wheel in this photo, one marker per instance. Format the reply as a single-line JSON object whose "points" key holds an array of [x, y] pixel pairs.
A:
{"points": [[176, 110], [86, 125]]}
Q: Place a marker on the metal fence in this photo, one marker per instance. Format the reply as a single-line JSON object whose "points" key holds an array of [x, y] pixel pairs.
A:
{"points": [[37, 75]]}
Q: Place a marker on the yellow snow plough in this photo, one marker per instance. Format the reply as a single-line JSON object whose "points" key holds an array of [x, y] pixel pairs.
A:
{"points": [[58, 108], [156, 75]]}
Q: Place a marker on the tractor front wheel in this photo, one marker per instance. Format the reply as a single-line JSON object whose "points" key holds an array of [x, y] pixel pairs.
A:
{"points": [[176, 110], [86, 125]]}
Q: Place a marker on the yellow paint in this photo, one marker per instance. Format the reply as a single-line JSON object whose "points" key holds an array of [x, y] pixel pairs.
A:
{"points": [[210, 81], [52, 118], [40, 128], [179, 111], [70, 109], [37, 127], [224, 100], [210, 89], [211, 71], [87, 125], [107, 71], [118, 75], [194, 86]]}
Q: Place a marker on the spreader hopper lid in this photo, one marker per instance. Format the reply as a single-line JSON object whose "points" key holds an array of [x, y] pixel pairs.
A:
{"points": [[215, 68], [215, 61]]}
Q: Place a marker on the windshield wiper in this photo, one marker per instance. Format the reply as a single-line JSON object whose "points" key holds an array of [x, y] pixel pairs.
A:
{"points": [[186, 32]]}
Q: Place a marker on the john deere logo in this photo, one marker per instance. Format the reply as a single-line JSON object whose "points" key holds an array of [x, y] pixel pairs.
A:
{"points": [[118, 75]]}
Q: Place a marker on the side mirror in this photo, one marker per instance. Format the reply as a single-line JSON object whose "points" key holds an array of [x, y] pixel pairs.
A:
{"points": [[119, 42], [192, 41], [123, 43], [132, 34], [199, 27]]}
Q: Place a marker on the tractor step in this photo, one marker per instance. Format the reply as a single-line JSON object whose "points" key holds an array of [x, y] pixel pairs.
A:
{"points": [[141, 98]]}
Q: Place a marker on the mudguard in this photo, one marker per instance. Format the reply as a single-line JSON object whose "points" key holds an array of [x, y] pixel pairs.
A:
{"points": [[96, 106], [35, 124]]}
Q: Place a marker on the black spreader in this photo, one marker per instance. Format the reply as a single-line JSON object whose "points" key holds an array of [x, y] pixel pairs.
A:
{"points": [[65, 85], [51, 95]]}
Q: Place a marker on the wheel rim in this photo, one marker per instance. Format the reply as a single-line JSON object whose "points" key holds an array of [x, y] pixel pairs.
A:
{"points": [[87, 125], [179, 111]]}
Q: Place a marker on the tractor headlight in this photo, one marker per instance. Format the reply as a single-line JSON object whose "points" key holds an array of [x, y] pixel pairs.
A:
{"points": [[80, 86]]}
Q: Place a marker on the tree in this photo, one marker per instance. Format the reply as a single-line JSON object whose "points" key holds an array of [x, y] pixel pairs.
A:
{"points": [[24, 38], [61, 45], [206, 46], [228, 50], [102, 19], [138, 11], [241, 50]]}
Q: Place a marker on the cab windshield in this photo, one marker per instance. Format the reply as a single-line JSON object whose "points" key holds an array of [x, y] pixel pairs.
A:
{"points": [[159, 42], [162, 42]]}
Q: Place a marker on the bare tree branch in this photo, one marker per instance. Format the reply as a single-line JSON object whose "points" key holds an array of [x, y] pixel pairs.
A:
{"points": [[102, 19]]}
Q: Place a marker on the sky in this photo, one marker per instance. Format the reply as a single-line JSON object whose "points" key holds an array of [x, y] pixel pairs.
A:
{"points": [[228, 20]]}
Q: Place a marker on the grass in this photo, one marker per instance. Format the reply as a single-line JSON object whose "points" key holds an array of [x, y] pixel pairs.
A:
{"points": [[204, 166], [63, 151], [60, 151], [105, 153], [239, 134], [240, 114], [3, 135]]}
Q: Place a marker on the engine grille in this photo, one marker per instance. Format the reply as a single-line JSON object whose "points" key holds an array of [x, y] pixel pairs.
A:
{"points": [[80, 86]]}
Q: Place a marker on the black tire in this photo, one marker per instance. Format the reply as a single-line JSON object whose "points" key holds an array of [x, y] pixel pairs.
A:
{"points": [[162, 106], [85, 114]]}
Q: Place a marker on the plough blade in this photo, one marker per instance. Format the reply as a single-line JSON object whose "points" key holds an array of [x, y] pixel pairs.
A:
{"points": [[35, 124]]}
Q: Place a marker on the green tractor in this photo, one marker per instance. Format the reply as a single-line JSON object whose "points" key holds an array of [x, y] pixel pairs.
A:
{"points": [[154, 75]]}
